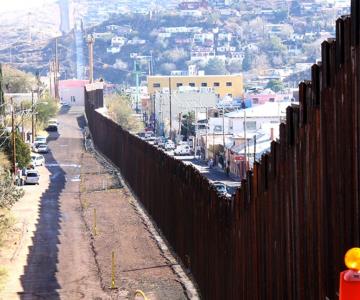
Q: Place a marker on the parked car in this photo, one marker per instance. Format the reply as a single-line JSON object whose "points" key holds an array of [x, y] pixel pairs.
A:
{"points": [[221, 189], [32, 177], [141, 135], [65, 104], [182, 150], [161, 141], [38, 140], [37, 160], [151, 139], [42, 148], [169, 145], [52, 125]]}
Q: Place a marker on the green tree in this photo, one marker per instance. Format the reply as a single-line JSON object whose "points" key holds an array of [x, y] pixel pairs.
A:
{"points": [[175, 55], [121, 112], [187, 124], [166, 68], [9, 193], [234, 66], [275, 85], [22, 150], [274, 45], [215, 66], [46, 108], [16, 81], [247, 61]]}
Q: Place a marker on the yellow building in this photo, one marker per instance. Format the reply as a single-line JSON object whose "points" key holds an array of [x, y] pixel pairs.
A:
{"points": [[222, 85]]}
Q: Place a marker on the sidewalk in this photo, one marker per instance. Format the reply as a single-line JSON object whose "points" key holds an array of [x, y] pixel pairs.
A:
{"points": [[14, 253]]}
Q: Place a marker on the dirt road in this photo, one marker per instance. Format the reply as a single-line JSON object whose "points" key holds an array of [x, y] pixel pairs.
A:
{"points": [[65, 259]]}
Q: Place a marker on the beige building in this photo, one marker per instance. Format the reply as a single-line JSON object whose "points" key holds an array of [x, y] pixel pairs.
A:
{"points": [[221, 85]]}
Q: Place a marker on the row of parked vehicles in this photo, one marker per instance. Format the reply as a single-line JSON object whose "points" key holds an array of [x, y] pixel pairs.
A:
{"points": [[31, 175], [182, 148]]}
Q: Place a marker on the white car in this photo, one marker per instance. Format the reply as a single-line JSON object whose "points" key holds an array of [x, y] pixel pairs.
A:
{"points": [[37, 160], [42, 148], [40, 140], [52, 125], [169, 145], [182, 150], [32, 177]]}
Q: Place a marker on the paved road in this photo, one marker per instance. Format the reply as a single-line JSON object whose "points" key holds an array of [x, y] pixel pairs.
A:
{"points": [[213, 174], [60, 264]]}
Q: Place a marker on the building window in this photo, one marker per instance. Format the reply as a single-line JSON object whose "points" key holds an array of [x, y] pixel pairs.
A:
{"points": [[230, 95], [216, 83], [179, 84], [218, 128], [271, 100], [203, 84], [255, 100], [251, 125], [156, 85], [229, 84], [192, 84]]}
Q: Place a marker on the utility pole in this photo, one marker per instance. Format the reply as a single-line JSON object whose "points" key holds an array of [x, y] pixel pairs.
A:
{"points": [[136, 72], [32, 118], [57, 69], [254, 148], [22, 122], [154, 115], [50, 79], [246, 168], [223, 127], [2, 98], [170, 105], [206, 137], [151, 63], [179, 132], [13, 136], [91, 41]]}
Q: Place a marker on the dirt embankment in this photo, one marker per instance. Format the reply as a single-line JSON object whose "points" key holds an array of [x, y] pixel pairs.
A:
{"points": [[117, 227]]}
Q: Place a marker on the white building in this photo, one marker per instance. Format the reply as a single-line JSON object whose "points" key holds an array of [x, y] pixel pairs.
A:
{"points": [[254, 117], [186, 99], [72, 91]]}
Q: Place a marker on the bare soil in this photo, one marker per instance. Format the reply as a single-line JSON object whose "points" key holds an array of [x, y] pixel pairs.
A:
{"points": [[120, 229]]}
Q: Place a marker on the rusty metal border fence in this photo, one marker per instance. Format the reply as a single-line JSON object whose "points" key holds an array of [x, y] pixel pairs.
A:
{"points": [[285, 233]]}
